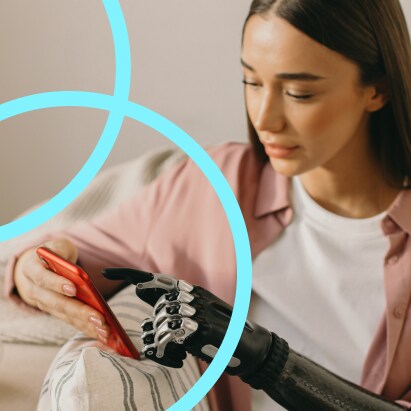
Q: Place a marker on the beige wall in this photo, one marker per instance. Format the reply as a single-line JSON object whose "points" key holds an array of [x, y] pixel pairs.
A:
{"points": [[185, 66], [185, 58]]}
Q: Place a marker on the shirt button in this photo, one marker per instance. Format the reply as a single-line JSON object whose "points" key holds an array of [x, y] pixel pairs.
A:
{"points": [[393, 260], [399, 311]]}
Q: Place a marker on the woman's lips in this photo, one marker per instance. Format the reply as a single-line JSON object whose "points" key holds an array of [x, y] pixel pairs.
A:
{"points": [[273, 150]]}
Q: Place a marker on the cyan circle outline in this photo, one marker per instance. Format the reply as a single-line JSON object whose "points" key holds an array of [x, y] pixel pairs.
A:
{"points": [[106, 141], [219, 184], [119, 107]]}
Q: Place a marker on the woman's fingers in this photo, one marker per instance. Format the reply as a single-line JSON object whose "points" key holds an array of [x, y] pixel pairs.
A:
{"points": [[64, 248], [35, 270], [31, 271], [30, 267], [81, 316], [52, 293]]}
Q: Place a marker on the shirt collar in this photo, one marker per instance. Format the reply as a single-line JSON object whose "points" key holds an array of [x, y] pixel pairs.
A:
{"points": [[274, 195], [273, 192], [400, 210]]}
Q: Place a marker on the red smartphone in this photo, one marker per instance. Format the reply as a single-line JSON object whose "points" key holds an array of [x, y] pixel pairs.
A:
{"points": [[88, 294]]}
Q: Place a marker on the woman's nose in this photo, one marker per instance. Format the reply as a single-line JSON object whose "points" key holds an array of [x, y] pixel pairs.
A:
{"points": [[270, 116]]}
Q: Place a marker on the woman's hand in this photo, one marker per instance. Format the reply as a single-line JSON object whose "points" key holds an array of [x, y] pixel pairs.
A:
{"points": [[52, 293]]}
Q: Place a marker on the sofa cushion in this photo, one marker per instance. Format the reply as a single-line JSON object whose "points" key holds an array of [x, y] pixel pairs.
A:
{"points": [[87, 375]]}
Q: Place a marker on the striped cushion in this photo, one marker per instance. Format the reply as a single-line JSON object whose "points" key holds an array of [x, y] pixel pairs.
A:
{"points": [[84, 377]]}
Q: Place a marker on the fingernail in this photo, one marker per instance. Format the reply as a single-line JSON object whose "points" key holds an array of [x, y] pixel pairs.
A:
{"points": [[69, 290], [102, 332], [102, 339], [96, 321]]}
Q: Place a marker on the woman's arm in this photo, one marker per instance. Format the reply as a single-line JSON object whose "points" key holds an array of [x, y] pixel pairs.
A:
{"points": [[115, 237], [190, 318]]}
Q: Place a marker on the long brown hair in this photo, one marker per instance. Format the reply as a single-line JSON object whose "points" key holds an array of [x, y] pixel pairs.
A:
{"points": [[374, 35]]}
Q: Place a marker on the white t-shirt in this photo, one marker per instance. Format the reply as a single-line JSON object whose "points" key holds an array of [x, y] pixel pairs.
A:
{"points": [[320, 287]]}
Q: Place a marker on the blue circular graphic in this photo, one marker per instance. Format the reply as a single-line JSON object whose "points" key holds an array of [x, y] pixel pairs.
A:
{"points": [[119, 107], [115, 106]]}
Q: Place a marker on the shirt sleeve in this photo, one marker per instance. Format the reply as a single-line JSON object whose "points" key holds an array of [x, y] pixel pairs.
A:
{"points": [[114, 238]]}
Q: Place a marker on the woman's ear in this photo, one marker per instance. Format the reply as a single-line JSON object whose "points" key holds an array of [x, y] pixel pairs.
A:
{"points": [[378, 96]]}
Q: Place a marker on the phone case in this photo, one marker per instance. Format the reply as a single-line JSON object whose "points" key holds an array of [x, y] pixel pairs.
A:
{"points": [[88, 293]]}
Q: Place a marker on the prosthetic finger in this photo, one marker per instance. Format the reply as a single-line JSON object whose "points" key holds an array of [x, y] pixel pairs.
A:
{"points": [[190, 318], [195, 318], [130, 275]]}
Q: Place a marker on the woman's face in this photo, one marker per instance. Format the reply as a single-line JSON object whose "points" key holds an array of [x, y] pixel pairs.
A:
{"points": [[304, 100]]}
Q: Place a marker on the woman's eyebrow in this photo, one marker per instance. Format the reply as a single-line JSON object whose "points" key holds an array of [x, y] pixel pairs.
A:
{"points": [[299, 76], [247, 66], [289, 76]]}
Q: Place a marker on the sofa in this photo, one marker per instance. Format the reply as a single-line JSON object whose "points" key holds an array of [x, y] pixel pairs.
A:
{"points": [[30, 340]]}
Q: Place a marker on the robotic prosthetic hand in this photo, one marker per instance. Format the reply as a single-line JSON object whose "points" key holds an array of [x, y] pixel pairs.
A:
{"points": [[188, 318]]}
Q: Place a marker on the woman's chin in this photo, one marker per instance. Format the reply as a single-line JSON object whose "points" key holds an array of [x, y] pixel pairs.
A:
{"points": [[287, 168]]}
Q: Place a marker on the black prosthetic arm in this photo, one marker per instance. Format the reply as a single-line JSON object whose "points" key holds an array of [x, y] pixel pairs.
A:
{"points": [[305, 385], [188, 318]]}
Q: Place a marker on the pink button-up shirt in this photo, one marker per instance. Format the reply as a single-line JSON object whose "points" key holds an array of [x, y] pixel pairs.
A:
{"points": [[176, 225]]}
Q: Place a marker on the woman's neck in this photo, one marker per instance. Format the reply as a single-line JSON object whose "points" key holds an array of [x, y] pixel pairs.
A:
{"points": [[356, 192]]}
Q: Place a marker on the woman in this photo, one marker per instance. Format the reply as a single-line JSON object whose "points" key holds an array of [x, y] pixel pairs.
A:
{"points": [[328, 91]]}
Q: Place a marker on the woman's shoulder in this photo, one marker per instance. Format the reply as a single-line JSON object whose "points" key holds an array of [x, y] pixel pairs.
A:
{"points": [[236, 161], [231, 153], [239, 165], [228, 156]]}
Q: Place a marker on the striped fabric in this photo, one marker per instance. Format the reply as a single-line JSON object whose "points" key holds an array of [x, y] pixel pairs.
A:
{"points": [[108, 189], [84, 377]]}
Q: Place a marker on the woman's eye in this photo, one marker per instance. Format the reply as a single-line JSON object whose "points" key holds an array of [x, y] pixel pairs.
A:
{"points": [[299, 96], [251, 84]]}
